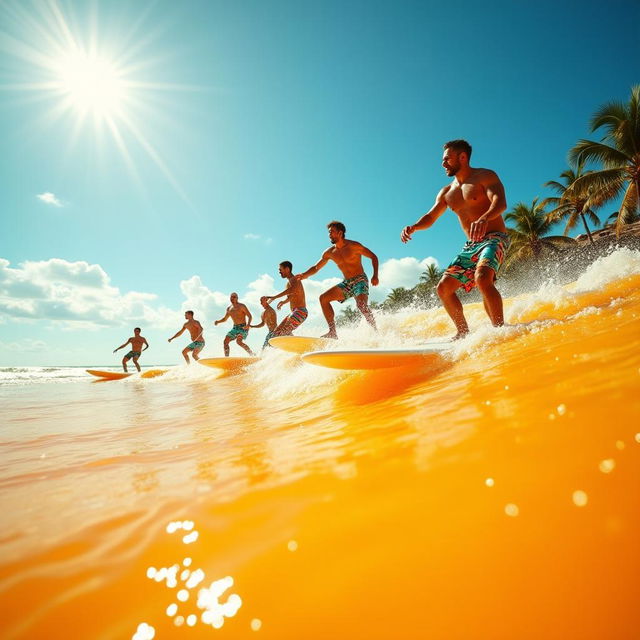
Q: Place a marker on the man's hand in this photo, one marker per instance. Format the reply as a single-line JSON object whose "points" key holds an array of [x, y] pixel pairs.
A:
{"points": [[478, 229], [374, 281], [281, 304], [170, 339], [114, 350], [407, 232]]}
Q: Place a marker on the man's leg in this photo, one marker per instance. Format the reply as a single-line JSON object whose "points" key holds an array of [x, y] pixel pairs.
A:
{"points": [[284, 328], [485, 281], [185, 353], [135, 361], [225, 346], [196, 353], [446, 290], [124, 364], [335, 293], [244, 346], [362, 302]]}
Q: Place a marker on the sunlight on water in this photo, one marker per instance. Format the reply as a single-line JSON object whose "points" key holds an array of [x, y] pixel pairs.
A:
{"points": [[491, 494]]}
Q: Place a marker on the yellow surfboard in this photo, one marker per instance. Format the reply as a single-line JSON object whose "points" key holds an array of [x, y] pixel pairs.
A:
{"points": [[433, 356], [118, 375], [108, 375], [300, 344], [230, 363]]}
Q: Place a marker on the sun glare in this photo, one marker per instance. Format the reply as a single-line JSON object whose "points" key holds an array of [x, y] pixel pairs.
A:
{"points": [[90, 83]]}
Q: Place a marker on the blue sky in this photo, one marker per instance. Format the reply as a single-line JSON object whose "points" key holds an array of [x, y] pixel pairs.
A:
{"points": [[242, 128]]}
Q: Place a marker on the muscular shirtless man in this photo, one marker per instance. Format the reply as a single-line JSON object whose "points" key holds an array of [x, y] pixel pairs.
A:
{"points": [[477, 197], [347, 254], [197, 339], [241, 317], [295, 297], [136, 342], [269, 318]]}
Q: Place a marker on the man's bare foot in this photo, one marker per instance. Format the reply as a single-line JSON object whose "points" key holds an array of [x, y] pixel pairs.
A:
{"points": [[459, 336], [330, 334]]}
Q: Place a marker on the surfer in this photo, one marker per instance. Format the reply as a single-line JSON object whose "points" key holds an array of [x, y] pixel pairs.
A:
{"points": [[136, 342], [294, 295], [241, 317], [195, 330], [477, 197], [269, 318], [347, 254]]}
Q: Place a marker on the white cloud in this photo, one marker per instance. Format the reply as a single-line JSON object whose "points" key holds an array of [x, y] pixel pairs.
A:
{"points": [[74, 292], [27, 344], [401, 272], [49, 198], [256, 237]]}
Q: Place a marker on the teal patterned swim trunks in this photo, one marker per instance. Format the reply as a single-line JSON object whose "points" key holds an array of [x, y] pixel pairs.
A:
{"points": [[488, 252], [196, 344], [132, 354], [356, 286], [238, 330], [266, 340]]}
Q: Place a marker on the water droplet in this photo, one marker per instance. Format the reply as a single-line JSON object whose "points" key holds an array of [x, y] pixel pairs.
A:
{"points": [[512, 510], [619, 445], [561, 409], [256, 624], [172, 609], [489, 482], [292, 545], [580, 498], [607, 466]]}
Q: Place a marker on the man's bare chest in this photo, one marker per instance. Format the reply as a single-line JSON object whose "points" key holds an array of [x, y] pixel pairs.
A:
{"points": [[466, 197]]}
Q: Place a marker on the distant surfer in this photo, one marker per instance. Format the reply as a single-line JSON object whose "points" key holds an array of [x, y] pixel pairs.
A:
{"points": [[138, 345], [294, 295], [477, 197], [269, 318], [196, 331], [241, 317], [347, 254]]}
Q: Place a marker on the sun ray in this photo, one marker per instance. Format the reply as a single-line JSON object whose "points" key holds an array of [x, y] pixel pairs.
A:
{"points": [[102, 90]]}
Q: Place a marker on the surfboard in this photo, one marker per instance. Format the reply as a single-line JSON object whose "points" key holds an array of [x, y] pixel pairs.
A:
{"points": [[108, 375], [118, 375], [432, 356], [229, 364], [300, 344]]}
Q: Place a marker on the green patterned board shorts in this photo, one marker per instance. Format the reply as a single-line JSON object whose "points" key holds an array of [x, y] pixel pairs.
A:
{"points": [[356, 286], [488, 252], [238, 330], [132, 354], [196, 344], [266, 340]]}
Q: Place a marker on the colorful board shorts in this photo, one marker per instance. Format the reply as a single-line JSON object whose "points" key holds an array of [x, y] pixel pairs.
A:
{"points": [[297, 317], [488, 252], [266, 340], [132, 354], [356, 286], [238, 331], [196, 344]]}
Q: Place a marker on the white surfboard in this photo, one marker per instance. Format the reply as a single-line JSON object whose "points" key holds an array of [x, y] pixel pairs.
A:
{"points": [[431, 356]]}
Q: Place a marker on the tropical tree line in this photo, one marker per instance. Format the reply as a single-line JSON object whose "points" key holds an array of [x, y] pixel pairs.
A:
{"points": [[578, 195]]}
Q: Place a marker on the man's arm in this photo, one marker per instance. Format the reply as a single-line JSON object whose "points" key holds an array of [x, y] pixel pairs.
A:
{"points": [[428, 218], [248, 315], [286, 292], [184, 326], [367, 253], [122, 346], [498, 200], [226, 317], [257, 326], [316, 267], [146, 345]]}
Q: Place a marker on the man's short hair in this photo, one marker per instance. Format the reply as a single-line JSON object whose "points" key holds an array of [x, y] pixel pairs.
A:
{"points": [[338, 226], [459, 146], [189, 313], [286, 264], [137, 329]]}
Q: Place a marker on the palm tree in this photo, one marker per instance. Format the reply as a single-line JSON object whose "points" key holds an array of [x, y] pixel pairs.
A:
{"points": [[569, 204], [431, 276], [619, 154], [529, 235], [399, 297], [347, 316]]}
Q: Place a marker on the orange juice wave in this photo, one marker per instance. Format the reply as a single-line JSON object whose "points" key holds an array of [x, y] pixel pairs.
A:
{"points": [[497, 498]]}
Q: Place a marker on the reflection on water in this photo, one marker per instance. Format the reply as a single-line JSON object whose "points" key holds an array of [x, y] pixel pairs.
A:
{"points": [[482, 501]]}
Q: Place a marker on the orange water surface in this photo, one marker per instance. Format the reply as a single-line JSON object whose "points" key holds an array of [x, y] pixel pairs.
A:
{"points": [[496, 498]]}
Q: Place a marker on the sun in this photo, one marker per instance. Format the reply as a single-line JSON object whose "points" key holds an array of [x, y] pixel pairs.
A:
{"points": [[90, 83]]}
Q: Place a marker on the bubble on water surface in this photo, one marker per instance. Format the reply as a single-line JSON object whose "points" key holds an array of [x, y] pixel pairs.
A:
{"points": [[580, 498]]}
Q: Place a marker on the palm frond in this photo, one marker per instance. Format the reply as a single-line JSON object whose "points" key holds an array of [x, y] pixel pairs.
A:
{"points": [[588, 150], [629, 207]]}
